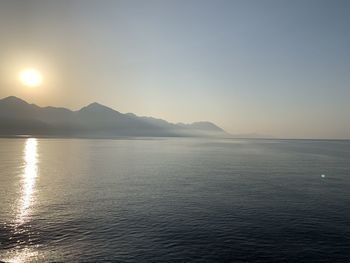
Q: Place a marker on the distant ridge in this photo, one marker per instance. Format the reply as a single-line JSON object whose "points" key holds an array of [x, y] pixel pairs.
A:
{"points": [[17, 117]]}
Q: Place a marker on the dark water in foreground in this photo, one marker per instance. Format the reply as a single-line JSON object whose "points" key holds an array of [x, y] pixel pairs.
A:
{"points": [[174, 200]]}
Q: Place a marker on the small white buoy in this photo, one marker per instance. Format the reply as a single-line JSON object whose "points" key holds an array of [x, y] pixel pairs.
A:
{"points": [[323, 175]]}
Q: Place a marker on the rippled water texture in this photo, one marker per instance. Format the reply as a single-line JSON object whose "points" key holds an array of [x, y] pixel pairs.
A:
{"points": [[174, 200]]}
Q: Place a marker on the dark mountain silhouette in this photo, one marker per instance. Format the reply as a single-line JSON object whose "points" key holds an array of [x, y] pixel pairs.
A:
{"points": [[17, 117]]}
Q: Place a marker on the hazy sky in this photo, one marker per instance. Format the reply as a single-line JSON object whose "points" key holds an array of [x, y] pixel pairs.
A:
{"points": [[280, 68]]}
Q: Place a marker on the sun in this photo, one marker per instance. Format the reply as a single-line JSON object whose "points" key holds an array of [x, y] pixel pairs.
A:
{"points": [[30, 77]]}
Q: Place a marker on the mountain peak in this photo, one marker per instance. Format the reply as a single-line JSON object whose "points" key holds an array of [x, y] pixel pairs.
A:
{"points": [[13, 99], [97, 107]]}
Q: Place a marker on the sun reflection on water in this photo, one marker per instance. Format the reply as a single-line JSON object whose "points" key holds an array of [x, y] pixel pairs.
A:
{"points": [[21, 256], [29, 175], [25, 251]]}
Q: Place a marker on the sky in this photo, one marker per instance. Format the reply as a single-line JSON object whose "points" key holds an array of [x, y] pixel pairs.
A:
{"points": [[273, 67]]}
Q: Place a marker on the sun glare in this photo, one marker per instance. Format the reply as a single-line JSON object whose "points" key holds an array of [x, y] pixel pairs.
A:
{"points": [[30, 77]]}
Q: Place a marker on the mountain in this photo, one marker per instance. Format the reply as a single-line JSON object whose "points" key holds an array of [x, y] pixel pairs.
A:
{"points": [[17, 117]]}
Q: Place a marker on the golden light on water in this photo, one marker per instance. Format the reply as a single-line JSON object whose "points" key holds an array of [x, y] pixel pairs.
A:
{"points": [[29, 175], [30, 77], [22, 256], [21, 253]]}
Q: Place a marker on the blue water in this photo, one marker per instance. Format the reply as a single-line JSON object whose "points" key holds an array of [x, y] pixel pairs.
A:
{"points": [[174, 200]]}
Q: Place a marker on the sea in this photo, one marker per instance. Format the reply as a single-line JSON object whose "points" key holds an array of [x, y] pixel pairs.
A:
{"points": [[174, 200]]}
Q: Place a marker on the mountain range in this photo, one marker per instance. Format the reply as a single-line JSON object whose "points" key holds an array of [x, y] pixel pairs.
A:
{"points": [[17, 117]]}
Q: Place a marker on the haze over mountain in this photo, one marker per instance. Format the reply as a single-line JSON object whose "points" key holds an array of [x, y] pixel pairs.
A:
{"points": [[17, 117]]}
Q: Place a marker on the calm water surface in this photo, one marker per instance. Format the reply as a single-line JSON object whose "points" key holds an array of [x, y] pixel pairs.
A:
{"points": [[174, 200]]}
